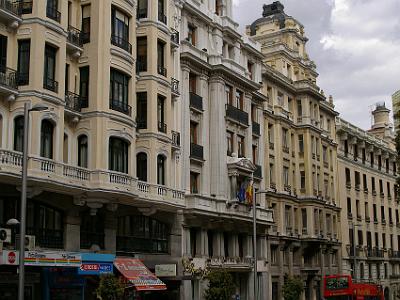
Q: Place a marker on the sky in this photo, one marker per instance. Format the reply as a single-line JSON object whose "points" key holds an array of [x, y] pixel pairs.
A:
{"points": [[355, 44]]}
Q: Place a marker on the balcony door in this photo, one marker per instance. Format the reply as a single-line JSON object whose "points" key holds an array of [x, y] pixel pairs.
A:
{"points": [[3, 53]]}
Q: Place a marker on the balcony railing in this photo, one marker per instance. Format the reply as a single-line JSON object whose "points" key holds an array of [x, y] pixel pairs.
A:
{"points": [[25, 7], [12, 7], [47, 238], [74, 36], [256, 128], [121, 107], [394, 254], [141, 64], [53, 13], [258, 172], [73, 101], [131, 244], [175, 86], [8, 77], [196, 101], [374, 252], [161, 70], [89, 238], [141, 13], [176, 139], [121, 43], [50, 84], [196, 151], [175, 36], [237, 114], [162, 18], [162, 127], [141, 123]]}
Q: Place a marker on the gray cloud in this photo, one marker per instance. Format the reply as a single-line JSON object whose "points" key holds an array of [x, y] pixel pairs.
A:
{"points": [[355, 44]]}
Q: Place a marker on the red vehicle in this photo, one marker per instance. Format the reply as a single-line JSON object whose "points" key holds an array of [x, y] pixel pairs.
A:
{"points": [[342, 287]]}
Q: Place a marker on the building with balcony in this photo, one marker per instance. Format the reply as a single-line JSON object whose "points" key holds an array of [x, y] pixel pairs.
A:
{"points": [[299, 157], [370, 208]]}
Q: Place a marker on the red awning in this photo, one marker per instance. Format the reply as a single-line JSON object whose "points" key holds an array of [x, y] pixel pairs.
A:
{"points": [[138, 274]]}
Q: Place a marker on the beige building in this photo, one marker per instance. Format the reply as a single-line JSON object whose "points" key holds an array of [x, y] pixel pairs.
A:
{"points": [[299, 157], [396, 109], [370, 210]]}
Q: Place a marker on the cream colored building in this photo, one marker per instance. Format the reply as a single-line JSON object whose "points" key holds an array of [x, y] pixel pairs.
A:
{"points": [[396, 108], [300, 156], [370, 210]]}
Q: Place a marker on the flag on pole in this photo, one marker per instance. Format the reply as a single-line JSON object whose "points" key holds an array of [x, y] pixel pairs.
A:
{"points": [[249, 193]]}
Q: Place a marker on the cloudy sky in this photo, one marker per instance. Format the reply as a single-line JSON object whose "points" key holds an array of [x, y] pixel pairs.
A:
{"points": [[355, 44]]}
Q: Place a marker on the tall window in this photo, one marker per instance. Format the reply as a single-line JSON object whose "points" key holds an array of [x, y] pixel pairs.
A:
{"points": [[161, 12], [218, 7], [83, 151], [92, 230], [229, 94], [19, 133], [241, 151], [24, 50], [141, 166], [286, 176], [302, 179], [3, 53], [194, 183], [142, 9], [85, 29], [119, 83], [118, 155], [193, 132], [84, 86], [301, 143], [161, 58], [162, 127], [141, 120], [161, 169], [229, 142], [49, 81], [191, 34], [239, 99], [120, 30], [46, 139], [192, 83], [52, 10], [141, 49]]}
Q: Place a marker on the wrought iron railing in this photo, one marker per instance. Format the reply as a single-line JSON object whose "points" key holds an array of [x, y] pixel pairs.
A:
{"points": [[50, 84], [196, 101], [53, 13], [258, 172], [47, 238], [8, 77], [73, 101], [12, 7], [121, 43], [256, 128], [74, 36], [196, 151], [162, 127], [162, 18], [141, 13], [25, 7], [237, 114], [121, 107], [161, 70]]}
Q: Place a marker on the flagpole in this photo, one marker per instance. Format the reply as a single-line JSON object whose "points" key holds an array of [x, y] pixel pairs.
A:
{"points": [[253, 195]]}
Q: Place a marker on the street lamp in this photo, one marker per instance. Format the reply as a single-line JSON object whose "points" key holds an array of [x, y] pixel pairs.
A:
{"points": [[21, 275]]}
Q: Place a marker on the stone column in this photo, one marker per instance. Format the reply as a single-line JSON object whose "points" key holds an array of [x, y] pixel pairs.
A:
{"points": [[72, 223], [290, 253], [110, 233], [204, 135], [185, 125]]}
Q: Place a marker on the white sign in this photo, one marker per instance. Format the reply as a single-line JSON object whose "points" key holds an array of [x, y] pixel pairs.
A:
{"points": [[42, 258], [165, 270]]}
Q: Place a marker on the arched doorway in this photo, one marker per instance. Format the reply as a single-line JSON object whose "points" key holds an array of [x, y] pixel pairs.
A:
{"points": [[386, 293]]}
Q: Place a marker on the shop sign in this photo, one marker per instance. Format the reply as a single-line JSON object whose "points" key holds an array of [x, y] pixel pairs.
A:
{"points": [[165, 270], [43, 259], [94, 268]]}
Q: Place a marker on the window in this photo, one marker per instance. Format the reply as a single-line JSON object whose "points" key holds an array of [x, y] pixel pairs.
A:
{"points": [[388, 190], [280, 99], [357, 180], [349, 207], [66, 85], [285, 140], [358, 211], [141, 166], [302, 180], [162, 127], [239, 100], [241, 150], [301, 143], [304, 219], [383, 214], [371, 158], [141, 118], [49, 81], [194, 183], [19, 133], [218, 7], [46, 139], [191, 34], [299, 108], [365, 183], [255, 154], [161, 12], [3, 53], [84, 86], [383, 240], [229, 94], [250, 67], [210, 238], [285, 176], [83, 151], [192, 83], [348, 177], [229, 142], [161, 169], [85, 29], [193, 133], [24, 50], [120, 30], [324, 154], [360, 238], [141, 49], [373, 185], [366, 211], [118, 155], [375, 213], [142, 9], [52, 10], [119, 83], [91, 230], [161, 58]]}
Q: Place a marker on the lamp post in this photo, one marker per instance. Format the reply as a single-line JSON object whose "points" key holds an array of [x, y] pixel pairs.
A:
{"points": [[21, 275]]}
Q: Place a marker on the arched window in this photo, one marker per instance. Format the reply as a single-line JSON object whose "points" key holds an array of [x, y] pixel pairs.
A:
{"points": [[19, 133], [46, 139], [118, 155], [141, 166], [161, 169], [83, 151]]}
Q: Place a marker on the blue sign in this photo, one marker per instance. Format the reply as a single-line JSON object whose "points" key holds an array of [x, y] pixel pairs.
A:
{"points": [[95, 268]]}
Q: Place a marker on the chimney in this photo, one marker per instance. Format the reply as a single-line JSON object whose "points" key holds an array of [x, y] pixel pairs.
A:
{"points": [[381, 116]]}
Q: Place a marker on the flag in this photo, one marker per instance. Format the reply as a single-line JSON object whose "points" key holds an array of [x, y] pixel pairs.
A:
{"points": [[241, 194], [249, 193]]}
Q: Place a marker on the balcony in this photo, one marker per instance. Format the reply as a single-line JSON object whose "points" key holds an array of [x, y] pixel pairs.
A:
{"points": [[256, 128], [161, 70], [10, 11], [141, 13], [8, 80], [89, 238], [374, 252], [196, 102], [53, 13], [175, 87], [141, 123], [50, 84], [176, 139], [122, 43], [258, 172], [162, 18], [73, 102], [231, 263], [121, 107], [196, 152], [174, 38], [47, 238], [237, 115], [141, 64], [394, 254], [162, 127], [74, 38]]}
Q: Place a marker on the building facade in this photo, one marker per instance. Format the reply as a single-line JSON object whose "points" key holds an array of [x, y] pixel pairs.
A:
{"points": [[370, 209], [396, 108], [299, 157]]}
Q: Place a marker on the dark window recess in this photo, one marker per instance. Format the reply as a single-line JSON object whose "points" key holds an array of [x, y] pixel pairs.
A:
{"points": [[85, 28], [49, 81], [196, 101], [141, 9], [120, 30], [83, 153], [84, 86], [196, 151], [141, 118], [118, 155], [24, 49], [141, 49], [161, 170], [19, 133], [119, 92], [161, 13], [92, 230], [141, 166], [161, 59], [46, 139], [52, 10]]}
